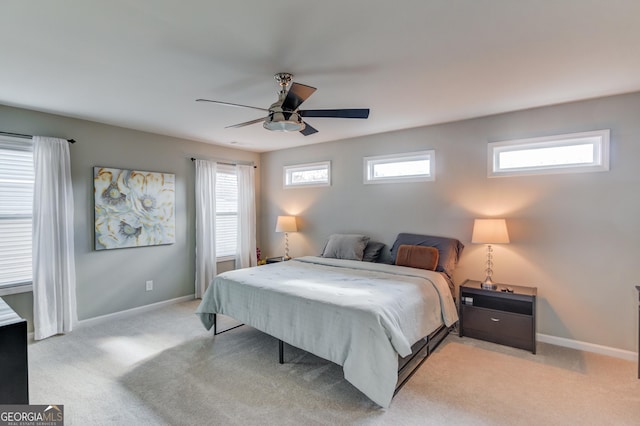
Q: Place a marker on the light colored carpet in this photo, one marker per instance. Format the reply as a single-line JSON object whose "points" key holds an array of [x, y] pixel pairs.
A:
{"points": [[163, 368]]}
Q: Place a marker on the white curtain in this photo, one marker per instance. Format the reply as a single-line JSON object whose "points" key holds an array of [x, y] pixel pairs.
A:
{"points": [[246, 247], [54, 272], [205, 224]]}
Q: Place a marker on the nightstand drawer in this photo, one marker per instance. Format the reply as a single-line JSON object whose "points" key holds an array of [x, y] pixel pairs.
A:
{"points": [[498, 326]]}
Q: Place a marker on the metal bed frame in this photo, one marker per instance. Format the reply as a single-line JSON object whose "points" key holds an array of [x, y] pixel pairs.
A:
{"points": [[407, 366], [215, 326]]}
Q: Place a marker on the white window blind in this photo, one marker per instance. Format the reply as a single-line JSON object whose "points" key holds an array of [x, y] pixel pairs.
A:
{"points": [[16, 199], [226, 211]]}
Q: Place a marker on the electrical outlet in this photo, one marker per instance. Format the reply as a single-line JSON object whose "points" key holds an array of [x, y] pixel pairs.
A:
{"points": [[149, 285]]}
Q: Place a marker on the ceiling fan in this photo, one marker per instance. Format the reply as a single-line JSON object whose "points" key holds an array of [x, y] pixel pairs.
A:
{"points": [[284, 116]]}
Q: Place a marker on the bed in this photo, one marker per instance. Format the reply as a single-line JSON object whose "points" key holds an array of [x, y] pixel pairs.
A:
{"points": [[371, 318]]}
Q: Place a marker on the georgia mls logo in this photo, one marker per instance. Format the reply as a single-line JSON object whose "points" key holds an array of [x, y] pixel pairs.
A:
{"points": [[31, 415], [55, 410]]}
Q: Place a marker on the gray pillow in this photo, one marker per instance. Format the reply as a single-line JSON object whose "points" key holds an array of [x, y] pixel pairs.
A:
{"points": [[345, 246], [372, 251]]}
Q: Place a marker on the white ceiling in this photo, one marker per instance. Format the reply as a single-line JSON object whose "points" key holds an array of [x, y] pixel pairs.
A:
{"points": [[142, 63]]}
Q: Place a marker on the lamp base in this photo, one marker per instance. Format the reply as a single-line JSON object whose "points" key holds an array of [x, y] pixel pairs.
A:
{"points": [[488, 284]]}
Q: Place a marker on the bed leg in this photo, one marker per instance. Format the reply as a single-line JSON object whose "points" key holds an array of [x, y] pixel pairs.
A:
{"points": [[215, 326], [280, 351]]}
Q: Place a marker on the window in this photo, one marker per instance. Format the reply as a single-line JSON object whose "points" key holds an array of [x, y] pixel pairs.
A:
{"points": [[16, 199], [226, 212], [406, 167], [570, 153], [312, 174]]}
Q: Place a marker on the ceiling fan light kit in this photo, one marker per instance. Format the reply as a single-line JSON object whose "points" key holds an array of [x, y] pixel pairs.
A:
{"points": [[276, 121], [284, 115]]}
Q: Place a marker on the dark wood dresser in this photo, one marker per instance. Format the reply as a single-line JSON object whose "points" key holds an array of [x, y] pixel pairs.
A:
{"points": [[638, 288], [14, 373]]}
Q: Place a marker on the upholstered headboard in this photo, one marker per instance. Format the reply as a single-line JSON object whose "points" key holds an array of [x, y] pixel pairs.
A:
{"points": [[449, 249]]}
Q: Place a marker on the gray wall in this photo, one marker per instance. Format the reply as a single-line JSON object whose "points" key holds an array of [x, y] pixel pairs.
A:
{"points": [[114, 280], [574, 236]]}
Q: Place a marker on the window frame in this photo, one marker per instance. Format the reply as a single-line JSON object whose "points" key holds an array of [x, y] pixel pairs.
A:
{"points": [[24, 145], [287, 171], [599, 139], [371, 161], [225, 169]]}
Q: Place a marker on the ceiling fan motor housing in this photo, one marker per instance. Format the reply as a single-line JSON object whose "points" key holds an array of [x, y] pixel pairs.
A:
{"points": [[283, 120]]}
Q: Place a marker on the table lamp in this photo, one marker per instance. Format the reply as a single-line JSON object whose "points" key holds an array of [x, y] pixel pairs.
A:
{"points": [[490, 231], [286, 224]]}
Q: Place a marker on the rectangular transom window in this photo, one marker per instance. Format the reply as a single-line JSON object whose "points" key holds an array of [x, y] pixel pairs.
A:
{"points": [[306, 175], [407, 167], [16, 199], [569, 153]]}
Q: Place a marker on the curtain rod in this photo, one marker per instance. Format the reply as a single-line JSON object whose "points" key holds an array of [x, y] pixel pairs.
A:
{"points": [[227, 162], [21, 135]]}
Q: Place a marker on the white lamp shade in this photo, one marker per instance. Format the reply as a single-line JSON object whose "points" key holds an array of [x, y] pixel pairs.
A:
{"points": [[490, 231], [286, 224]]}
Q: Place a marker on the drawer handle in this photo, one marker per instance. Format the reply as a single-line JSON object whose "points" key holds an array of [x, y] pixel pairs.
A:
{"points": [[495, 319]]}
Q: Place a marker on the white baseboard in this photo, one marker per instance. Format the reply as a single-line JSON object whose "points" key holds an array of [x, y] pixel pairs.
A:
{"points": [[545, 338], [587, 347], [133, 311]]}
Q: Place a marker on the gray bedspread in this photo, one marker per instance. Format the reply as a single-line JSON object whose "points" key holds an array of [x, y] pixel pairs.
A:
{"points": [[359, 315]]}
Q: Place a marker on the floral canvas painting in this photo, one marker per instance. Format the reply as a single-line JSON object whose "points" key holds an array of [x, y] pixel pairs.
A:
{"points": [[133, 208]]}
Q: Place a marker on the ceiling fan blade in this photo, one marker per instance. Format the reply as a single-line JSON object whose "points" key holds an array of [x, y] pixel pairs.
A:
{"points": [[297, 94], [336, 113], [230, 104], [308, 130], [246, 123]]}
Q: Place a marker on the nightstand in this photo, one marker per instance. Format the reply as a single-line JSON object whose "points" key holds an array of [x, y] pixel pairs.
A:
{"points": [[507, 318], [275, 259]]}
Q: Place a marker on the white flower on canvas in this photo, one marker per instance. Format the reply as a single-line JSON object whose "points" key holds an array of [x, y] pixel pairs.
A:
{"points": [[133, 208]]}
